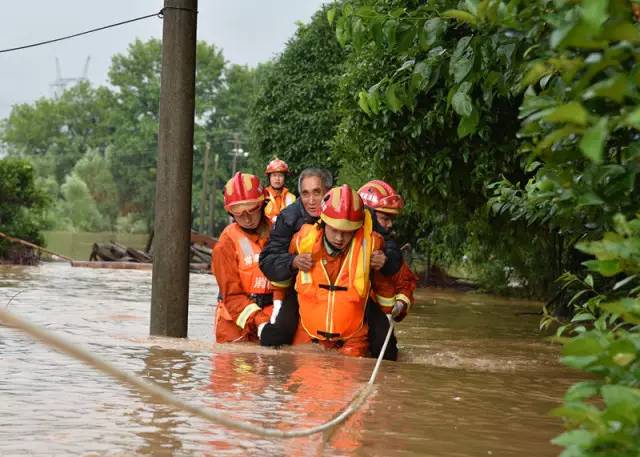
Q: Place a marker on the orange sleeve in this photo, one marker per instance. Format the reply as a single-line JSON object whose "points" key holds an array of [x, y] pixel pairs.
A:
{"points": [[378, 241], [386, 290], [405, 284], [225, 269]]}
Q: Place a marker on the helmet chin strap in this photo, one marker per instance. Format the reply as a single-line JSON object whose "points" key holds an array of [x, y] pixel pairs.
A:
{"points": [[256, 229]]}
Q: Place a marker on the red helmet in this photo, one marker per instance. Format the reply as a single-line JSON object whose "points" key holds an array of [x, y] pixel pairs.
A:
{"points": [[277, 166], [242, 188], [381, 196], [342, 208]]}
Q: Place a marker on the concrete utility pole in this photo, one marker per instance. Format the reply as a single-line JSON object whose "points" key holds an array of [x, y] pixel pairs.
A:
{"points": [[203, 194], [170, 283], [236, 152], [212, 195]]}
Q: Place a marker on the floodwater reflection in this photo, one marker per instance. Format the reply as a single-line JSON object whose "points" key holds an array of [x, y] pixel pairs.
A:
{"points": [[474, 378]]}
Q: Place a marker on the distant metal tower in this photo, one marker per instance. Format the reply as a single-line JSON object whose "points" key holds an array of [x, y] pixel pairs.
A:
{"points": [[60, 84]]}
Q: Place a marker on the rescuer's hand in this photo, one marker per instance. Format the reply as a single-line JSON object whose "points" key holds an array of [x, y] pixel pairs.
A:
{"points": [[303, 262], [399, 310], [256, 321], [378, 259]]}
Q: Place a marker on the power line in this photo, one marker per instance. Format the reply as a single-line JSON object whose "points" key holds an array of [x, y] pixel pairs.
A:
{"points": [[159, 15]]}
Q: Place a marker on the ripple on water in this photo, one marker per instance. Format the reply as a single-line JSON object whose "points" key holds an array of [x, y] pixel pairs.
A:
{"points": [[474, 378]]}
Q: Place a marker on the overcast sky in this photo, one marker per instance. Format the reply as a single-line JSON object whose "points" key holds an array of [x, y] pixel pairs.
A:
{"points": [[248, 31]]}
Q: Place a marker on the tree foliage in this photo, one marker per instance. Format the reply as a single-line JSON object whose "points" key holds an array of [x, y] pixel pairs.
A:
{"points": [[294, 117], [430, 102], [22, 203], [77, 210], [136, 78], [107, 137], [576, 87], [228, 121], [55, 133]]}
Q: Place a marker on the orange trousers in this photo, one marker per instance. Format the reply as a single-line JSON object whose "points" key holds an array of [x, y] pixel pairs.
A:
{"points": [[228, 332], [356, 346]]}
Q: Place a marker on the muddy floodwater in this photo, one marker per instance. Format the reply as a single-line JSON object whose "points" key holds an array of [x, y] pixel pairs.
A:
{"points": [[475, 378]]}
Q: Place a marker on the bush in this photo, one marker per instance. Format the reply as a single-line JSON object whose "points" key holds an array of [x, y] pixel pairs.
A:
{"points": [[22, 206]]}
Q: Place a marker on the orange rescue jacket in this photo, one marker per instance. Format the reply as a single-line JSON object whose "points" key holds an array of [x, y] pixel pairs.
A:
{"points": [[276, 202], [235, 266], [334, 310]]}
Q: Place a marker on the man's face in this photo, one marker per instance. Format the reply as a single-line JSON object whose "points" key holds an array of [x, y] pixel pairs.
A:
{"points": [[311, 193], [338, 238], [247, 216], [385, 220], [276, 180]]}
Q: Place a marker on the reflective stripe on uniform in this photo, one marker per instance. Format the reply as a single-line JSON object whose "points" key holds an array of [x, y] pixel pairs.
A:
{"points": [[247, 250], [241, 321], [385, 301], [404, 298], [281, 284], [289, 199]]}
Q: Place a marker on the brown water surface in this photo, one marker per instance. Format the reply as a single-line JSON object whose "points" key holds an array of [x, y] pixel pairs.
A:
{"points": [[475, 378]]}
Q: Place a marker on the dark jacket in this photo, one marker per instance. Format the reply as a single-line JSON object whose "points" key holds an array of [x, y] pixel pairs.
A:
{"points": [[391, 249], [276, 261]]}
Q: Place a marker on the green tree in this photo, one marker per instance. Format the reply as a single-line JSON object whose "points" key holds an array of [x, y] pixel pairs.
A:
{"points": [[77, 210], [229, 119], [135, 116], [55, 133], [95, 170], [22, 205], [294, 116], [581, 116], [427, 102]]}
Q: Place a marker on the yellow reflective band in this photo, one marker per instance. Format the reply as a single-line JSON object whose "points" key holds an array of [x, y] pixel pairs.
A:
{"points": [[289, 199], [305, 277], [241, 321], [361, 280], [305, 246], [281, 284], [404, 298], [385, 301]]}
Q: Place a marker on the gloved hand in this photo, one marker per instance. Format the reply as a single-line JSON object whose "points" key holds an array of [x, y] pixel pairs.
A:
{"points": [[399, 310], [261, 317], [255, 322]]}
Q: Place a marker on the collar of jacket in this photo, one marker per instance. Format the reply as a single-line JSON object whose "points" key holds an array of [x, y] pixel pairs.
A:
{"points": [[306, 217]]}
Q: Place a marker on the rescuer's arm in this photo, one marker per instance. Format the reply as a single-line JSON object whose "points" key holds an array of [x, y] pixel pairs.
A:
{"points": [[243, 310], [405, 281]]}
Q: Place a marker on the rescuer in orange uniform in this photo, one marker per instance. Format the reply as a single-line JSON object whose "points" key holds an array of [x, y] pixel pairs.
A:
{"points": [[393, 294], [333, 294], [245, 297], [278, 196]]}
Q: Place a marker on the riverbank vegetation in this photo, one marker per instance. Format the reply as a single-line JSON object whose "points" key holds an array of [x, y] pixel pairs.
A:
{"points": [[22, 210], [538, 103], [94, 149]]}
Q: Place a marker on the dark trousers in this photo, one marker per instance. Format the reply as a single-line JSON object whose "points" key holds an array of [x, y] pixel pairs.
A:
{"points": [[378, 328], [284, 328]]}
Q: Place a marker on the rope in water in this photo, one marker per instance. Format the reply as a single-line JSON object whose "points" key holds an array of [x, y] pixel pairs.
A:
{"points": [[163, 395]]}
